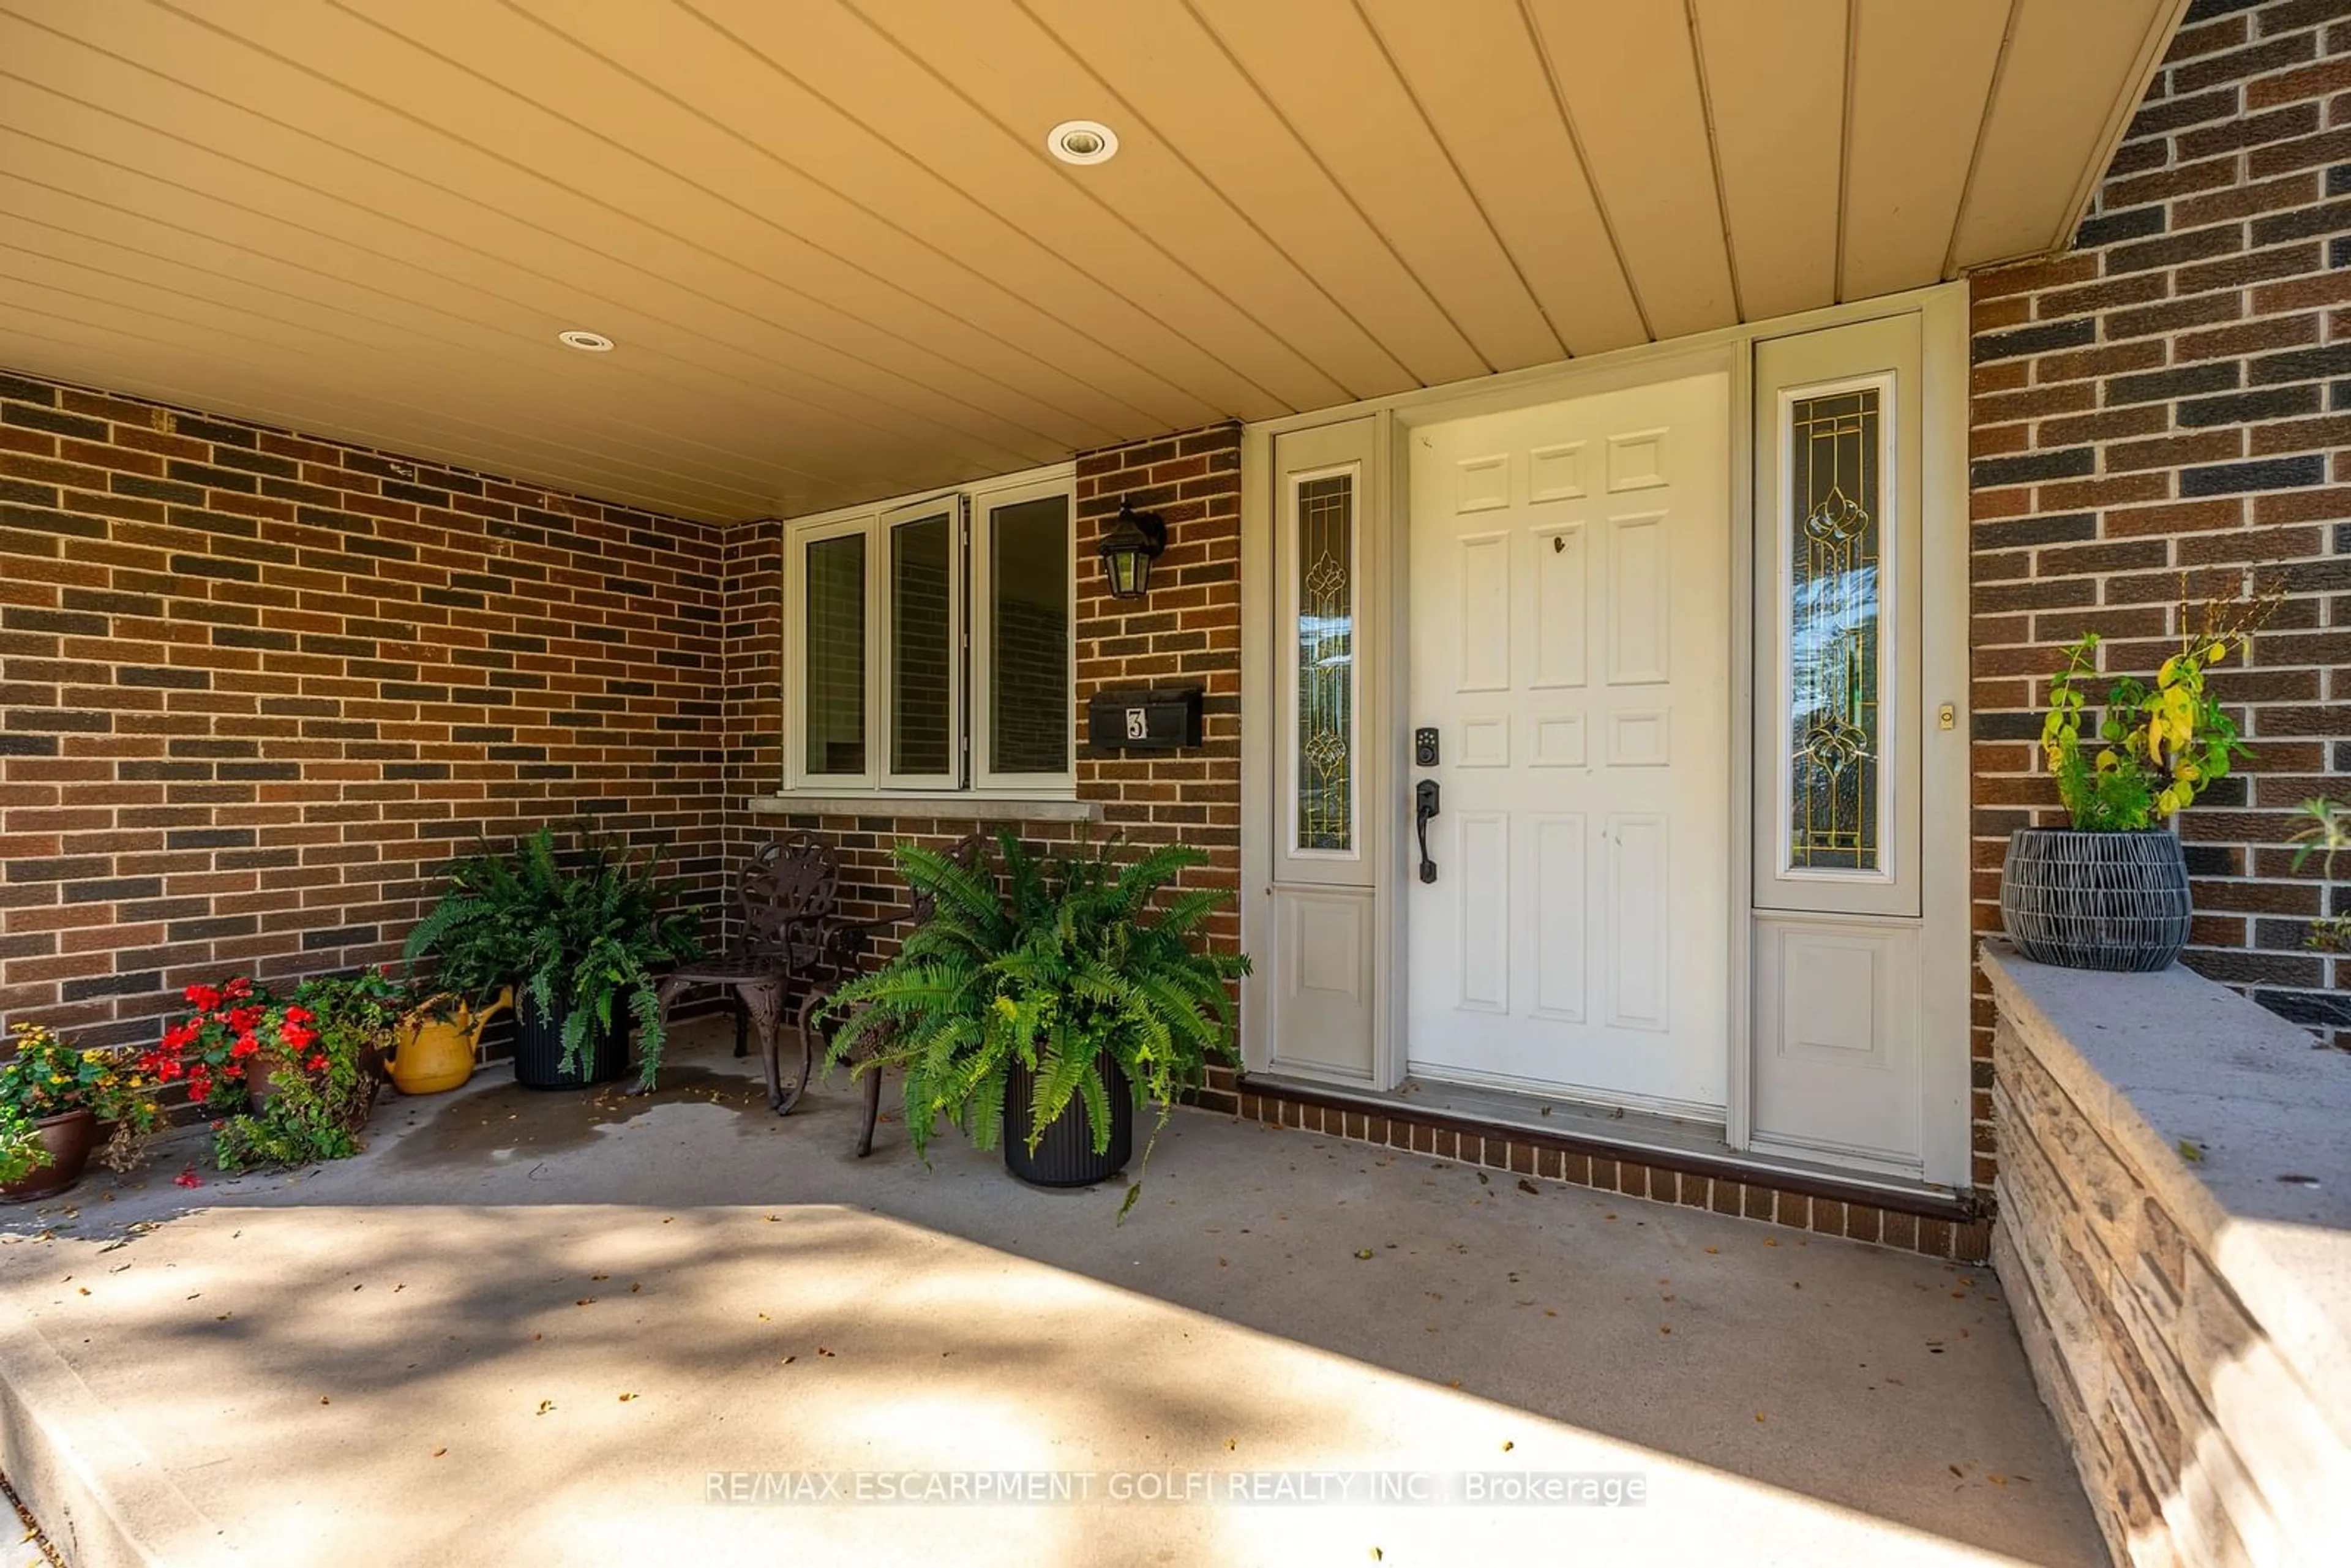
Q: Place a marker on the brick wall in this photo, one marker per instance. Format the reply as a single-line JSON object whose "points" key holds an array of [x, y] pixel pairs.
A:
{"points": [[2174, 396], [254, 685]]}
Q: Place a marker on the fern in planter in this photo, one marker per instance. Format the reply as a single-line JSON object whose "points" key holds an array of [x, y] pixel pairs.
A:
{"points": [[581, 930], [1062, 963]]}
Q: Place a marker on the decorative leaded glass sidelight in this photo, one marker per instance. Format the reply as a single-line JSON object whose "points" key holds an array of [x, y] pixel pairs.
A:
{"points": [[1836, 504], [1326, 659]]}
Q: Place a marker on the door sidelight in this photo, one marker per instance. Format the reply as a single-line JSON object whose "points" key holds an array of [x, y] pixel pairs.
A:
{"points": [[1424, 806]]}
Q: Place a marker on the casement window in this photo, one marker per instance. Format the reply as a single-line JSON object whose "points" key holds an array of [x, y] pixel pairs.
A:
{"points": [[929, 643]]}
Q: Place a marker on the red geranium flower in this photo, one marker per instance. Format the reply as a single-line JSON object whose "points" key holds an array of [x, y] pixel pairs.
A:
{"points": [[203, 998]]}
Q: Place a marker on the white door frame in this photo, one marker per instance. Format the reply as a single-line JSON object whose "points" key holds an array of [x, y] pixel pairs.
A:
{"points": [[1943, 312]]}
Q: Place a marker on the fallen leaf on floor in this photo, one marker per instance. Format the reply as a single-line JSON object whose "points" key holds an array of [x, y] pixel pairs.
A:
{"points": [[1550, 1313], [1231, 1443], [585, 1302], [1482, 1181], [763, 1317], [626, 1398], [438, 1452], [220, 1317], [600, 1276], [544, 1406], [1759, 1415], [324, 1400], [1957, 1471], [1527, 1186], [188, 1178], [1664, 1328], [822, 1351], [1712, 1251], [1225, 1263], [85, 1291], [1770, 1242], [1362, 1252]]}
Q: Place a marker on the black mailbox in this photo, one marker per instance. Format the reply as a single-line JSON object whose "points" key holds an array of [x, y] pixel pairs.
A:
{"points": [[1161, 720]]}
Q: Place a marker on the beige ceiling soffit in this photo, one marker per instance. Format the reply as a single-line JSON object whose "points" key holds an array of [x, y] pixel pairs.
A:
{"points": [[1714, 157], [1983, 130], [1453, 162], [1003, 185], [1396, 376], [1089, 191], [893, 390], [1844, 140], [1322, 165], [1584, 162], [2135, 85]]}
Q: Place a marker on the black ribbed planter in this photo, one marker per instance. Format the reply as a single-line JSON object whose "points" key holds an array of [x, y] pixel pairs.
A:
{"points": [[1065, 1156], [538, 1050], [2096, 901]]}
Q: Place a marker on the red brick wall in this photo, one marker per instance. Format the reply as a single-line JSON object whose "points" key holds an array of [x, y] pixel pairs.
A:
{"points": [[2174, 396], [254, 685]]}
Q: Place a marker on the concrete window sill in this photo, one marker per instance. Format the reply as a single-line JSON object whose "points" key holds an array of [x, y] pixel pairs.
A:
{"points": [[938, 807]]}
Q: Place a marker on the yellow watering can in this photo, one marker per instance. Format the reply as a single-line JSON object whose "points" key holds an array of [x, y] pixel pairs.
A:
{"points": [[437, 1042]]}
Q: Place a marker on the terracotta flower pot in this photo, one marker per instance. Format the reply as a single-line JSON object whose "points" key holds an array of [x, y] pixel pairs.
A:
{"points": [[70, 1138]]}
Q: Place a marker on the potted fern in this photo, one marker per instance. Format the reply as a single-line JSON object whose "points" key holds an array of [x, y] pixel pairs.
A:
{"points": [[2110, 890], [1041, 1009], [583, 933]]}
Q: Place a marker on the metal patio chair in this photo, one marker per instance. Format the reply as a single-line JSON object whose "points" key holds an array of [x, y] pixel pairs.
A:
{"points": [[785, 895]]}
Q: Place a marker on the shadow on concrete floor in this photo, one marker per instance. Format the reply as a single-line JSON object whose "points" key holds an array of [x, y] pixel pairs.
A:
{"points": [[315, 1358]]}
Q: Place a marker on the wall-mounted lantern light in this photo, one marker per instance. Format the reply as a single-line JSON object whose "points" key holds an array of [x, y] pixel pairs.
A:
{"points": [[1129, 544]]}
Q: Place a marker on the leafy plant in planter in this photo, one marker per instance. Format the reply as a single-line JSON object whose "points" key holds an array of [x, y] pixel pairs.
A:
{"points": [[2110, 891], [319, 1053], [22, 1149], [583, 933], [1061, 991], [2325, 831], [52, 1097]]}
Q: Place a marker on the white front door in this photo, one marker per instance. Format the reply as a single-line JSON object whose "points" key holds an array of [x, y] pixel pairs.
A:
{"points": [[1570, 615]]}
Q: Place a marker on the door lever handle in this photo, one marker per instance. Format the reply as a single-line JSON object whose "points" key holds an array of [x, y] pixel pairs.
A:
{"points": [[1424, 806]]}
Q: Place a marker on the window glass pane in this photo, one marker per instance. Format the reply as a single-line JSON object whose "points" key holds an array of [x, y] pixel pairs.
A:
{"points": [[1326, 659], [921, 574], [1835, 501], [835, 699], [1028, 637]]}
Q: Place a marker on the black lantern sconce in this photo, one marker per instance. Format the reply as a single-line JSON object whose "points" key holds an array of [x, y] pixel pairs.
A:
{"points": [[1129, 544]]}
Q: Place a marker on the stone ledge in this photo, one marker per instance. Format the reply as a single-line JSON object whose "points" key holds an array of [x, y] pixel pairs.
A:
{"points": [[2184, 1309], [2157, 1061]]}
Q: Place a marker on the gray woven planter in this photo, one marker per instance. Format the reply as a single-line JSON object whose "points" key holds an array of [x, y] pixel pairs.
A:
{"points": [[2096, 901]]}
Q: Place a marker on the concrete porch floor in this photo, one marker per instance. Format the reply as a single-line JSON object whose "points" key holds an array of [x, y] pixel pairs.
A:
{"points": [[525, 1328]]}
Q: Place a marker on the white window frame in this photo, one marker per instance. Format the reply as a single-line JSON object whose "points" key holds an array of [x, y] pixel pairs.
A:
{"points": [[798, 539], [968, 636], [885, 526], [986, 502]]}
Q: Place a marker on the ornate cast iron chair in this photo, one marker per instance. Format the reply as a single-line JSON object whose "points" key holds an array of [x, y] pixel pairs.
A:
{"points": [[783, 900], [847, 944]]}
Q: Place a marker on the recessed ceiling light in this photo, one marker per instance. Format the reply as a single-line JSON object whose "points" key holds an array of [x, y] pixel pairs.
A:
{"points": [[1082, 141], [586, 342]]}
